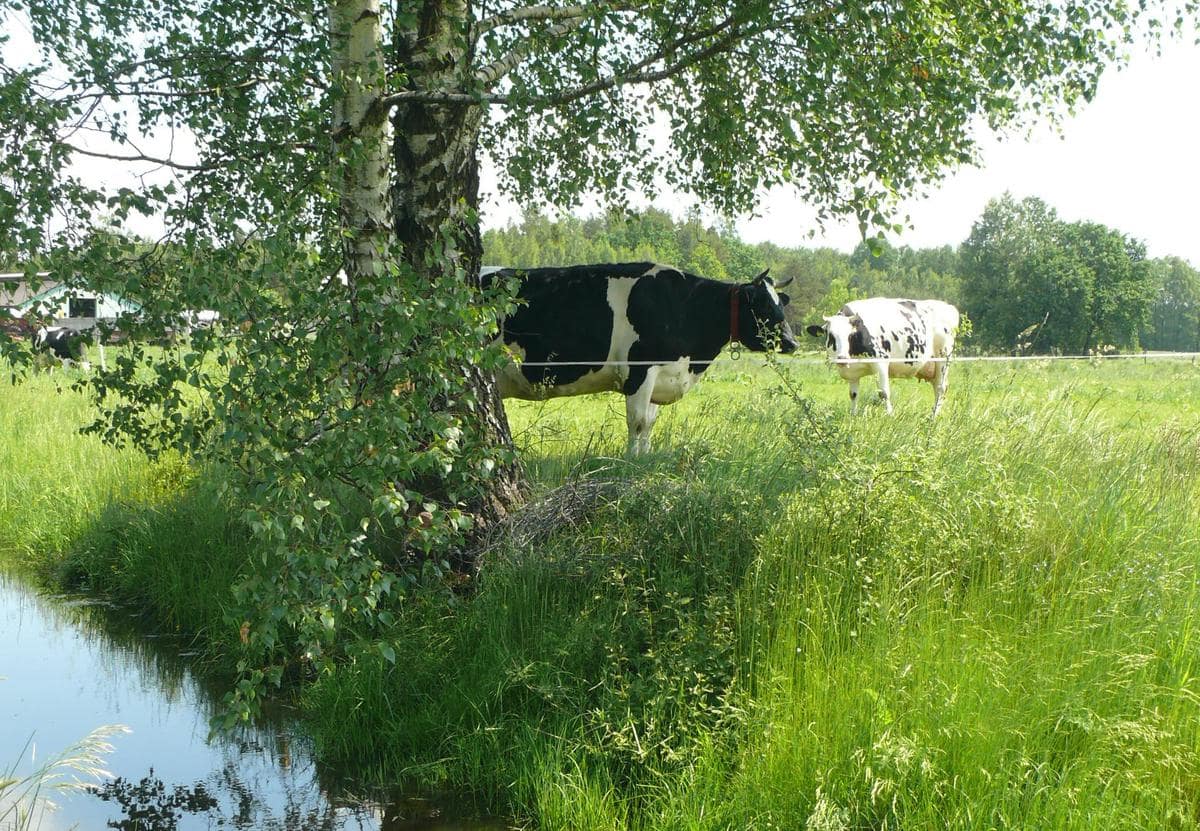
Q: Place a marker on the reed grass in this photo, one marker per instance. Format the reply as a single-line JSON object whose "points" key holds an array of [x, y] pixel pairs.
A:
{"points": [[25, 799]]}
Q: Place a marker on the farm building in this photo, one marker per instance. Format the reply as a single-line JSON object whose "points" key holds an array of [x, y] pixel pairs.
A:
{"points": [[53, 300]]}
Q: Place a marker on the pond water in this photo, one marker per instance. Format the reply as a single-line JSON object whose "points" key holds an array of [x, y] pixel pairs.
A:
{"points": [[68, 666]]}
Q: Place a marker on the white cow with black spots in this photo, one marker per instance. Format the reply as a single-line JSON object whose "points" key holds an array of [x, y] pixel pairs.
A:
{"points": [[892, 339]]}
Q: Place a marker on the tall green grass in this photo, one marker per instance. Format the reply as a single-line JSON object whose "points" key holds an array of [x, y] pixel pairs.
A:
{"points": [[1000, 636], [793, 619], [53, 482], [782, 618], [79, 515]]}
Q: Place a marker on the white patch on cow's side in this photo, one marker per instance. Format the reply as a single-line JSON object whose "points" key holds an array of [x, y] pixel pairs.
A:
{"points": [[623, 335], [641, 411], [672, 381], [857, 371], [653, 270]]}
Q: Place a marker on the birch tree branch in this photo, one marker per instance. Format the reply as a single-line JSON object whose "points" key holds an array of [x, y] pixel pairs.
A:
{"points": [[729, 32], [634, 74], [137, 158], [531, 13], [631, 75], [493, 72], [639, 73], [439, 96]]}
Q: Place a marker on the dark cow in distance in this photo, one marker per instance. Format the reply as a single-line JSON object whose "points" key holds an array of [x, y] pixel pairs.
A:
{"points": [[63, 342], [892, 339], [646, 330]]}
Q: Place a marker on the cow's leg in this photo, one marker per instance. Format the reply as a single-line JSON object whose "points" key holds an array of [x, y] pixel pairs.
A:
{"points": [[885, 387], [853, 396], [941, 378], [640, 413]]}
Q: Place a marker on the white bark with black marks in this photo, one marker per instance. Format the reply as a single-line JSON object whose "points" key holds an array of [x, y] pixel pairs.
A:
{"points": [[361, 136]]}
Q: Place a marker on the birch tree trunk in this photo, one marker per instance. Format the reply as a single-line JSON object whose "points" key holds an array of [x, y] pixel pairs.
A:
{"points": [[435, 199], [361, 138], [404, 209]]}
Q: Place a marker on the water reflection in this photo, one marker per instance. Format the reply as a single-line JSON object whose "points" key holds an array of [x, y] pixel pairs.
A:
{"points": [[68, 666]]}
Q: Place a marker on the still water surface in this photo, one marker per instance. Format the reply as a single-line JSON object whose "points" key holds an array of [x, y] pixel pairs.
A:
{"points": [[68, 666]]}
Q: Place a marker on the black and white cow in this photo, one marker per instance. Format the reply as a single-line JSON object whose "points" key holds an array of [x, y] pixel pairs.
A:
{"points": [[63, 343], [598, 323], [892, 339]]}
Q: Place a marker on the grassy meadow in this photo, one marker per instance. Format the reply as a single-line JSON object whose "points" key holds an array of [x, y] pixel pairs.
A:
{"points": [[781, 618]]}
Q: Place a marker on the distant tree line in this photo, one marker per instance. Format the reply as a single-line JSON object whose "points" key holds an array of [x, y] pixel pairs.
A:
{"points": [[1029, 281], [1036, 283]]}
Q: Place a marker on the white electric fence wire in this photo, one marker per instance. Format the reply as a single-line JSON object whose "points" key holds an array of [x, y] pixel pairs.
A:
{"points": [[813, 361]]}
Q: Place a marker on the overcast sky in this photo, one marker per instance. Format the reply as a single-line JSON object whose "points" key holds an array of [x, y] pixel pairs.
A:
{"points": [[1130, 159]]}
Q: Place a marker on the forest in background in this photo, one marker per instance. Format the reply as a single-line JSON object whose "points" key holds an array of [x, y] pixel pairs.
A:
{"points": [[1029, 281]]}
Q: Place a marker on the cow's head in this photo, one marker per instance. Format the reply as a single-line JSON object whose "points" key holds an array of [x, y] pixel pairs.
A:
{"points": [[845, 337], [766, 310]]}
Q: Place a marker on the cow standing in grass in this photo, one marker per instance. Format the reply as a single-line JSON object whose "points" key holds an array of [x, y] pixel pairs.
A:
{"points": [[892, 339], [63, 342], [648, 331]]}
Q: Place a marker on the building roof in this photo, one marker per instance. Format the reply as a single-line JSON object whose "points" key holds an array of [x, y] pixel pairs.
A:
{"points": [[59, 289], [15, 290]]}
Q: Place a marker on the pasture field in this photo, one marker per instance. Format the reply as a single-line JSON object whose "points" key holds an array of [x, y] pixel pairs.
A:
{"points": [[781, 618]]}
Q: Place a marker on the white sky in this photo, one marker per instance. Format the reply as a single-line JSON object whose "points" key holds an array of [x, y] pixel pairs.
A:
{"points": [[1130, 159]]}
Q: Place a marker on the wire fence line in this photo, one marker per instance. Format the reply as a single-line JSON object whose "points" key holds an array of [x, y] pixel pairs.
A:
{"points": [[815, 361]]}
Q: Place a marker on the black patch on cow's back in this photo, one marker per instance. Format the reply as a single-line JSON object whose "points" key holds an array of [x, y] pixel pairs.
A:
{"points": [[677, 314], [914, 343], [563, 317], [912, 333], [915, 347]]}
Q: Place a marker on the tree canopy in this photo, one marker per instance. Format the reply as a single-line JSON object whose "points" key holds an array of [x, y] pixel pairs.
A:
{"points": [[853, 103], [1174, 322], [1032, 281]]}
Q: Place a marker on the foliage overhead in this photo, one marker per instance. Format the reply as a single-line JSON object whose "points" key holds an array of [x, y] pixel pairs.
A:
{"points": [[853, 103]]}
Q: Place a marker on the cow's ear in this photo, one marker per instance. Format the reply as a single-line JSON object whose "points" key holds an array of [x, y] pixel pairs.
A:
{"points": [[784, 299], [763, 278], [815, 330]]}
